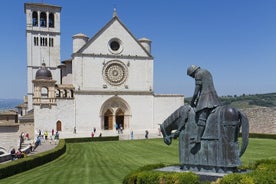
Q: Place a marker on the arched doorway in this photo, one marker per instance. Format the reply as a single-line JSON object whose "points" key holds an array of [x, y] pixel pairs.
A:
{"points": [[119, 118], [115, 112], [108, 120], [59, 126]]}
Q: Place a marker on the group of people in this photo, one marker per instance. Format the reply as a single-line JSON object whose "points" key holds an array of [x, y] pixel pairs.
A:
{"points": [[23, 136], [16, 154], [93, 133], [21, 152], [119, 128], [45, 135]]}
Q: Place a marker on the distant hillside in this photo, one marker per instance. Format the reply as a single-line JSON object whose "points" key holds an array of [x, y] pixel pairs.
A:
{"points": [[247, 101], [6, 104]]}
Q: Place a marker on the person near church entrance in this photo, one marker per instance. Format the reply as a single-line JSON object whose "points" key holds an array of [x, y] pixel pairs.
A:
{"points": [[13, 154], [21, 140], [27, 136], [131, 134], [57, 136], [121, 128], [205, 97], [37, 142], [146, 134], [117, 128], [46, 135], [39, 133]]}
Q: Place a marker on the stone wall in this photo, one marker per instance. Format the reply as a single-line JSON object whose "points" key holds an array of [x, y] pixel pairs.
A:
{"points": [[261, 119]]}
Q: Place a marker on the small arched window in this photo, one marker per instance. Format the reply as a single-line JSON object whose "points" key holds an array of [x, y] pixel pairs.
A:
{"points": [[44, 92], [34, 18], [43, 19], [51, 20], [58, 126]]}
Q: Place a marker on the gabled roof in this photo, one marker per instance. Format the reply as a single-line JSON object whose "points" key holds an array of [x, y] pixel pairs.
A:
{"points": [[114, 18]]}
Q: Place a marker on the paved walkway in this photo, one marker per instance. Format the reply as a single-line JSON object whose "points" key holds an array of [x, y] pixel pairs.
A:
{"points": [[45, 146]]}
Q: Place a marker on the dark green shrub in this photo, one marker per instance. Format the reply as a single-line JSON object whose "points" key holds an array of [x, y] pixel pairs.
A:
{"points": [[268, 162], [132, 177], [263, 177], [159, 177], [237, 179], [265, 171], [262, 136], [151, 167], [147, 177], [90, 139]]}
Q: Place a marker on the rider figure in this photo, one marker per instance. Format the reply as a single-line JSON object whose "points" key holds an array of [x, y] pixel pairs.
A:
{"points": [[205, 97]]}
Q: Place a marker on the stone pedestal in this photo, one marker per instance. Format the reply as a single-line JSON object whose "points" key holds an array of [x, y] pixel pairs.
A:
{"points": [[204, 176]]}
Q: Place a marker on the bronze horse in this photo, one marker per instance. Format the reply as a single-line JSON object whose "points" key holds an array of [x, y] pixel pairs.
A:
{"points": [[218, 150]]}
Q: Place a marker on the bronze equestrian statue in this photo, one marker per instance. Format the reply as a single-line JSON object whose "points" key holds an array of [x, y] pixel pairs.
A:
{"points": [[208, 131]]}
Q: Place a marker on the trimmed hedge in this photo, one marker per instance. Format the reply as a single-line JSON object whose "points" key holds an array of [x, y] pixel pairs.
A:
{"points": [[262, 136], [30, 162], [147, 174], [90, 139]]}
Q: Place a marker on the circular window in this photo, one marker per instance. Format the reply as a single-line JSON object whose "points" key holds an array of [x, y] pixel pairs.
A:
{"points": [[115, 46], [115, 72]]}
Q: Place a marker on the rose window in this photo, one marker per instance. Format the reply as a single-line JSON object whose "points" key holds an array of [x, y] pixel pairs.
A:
{"points": [[115, 72]]}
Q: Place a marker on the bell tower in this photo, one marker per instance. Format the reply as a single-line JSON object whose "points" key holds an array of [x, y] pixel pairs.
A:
{"points": [[43, 42]]}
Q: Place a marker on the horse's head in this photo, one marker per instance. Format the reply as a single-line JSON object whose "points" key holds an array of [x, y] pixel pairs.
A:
{"points": [[176, 121]]}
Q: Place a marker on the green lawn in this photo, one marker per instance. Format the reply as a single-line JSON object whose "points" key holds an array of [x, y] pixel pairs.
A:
{"points": [[109, 162]]}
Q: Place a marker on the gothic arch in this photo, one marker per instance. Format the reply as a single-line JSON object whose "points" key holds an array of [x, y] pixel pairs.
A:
{"points": [[115, 112]]}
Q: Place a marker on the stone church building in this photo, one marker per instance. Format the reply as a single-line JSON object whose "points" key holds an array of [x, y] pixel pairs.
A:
{"points": [[107, 83]]}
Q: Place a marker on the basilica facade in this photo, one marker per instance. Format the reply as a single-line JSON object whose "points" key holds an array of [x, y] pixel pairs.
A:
{"points": [[107, 82]]}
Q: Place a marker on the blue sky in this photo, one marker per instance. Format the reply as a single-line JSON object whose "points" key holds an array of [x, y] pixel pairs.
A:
{"points": [[234, 39]]}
